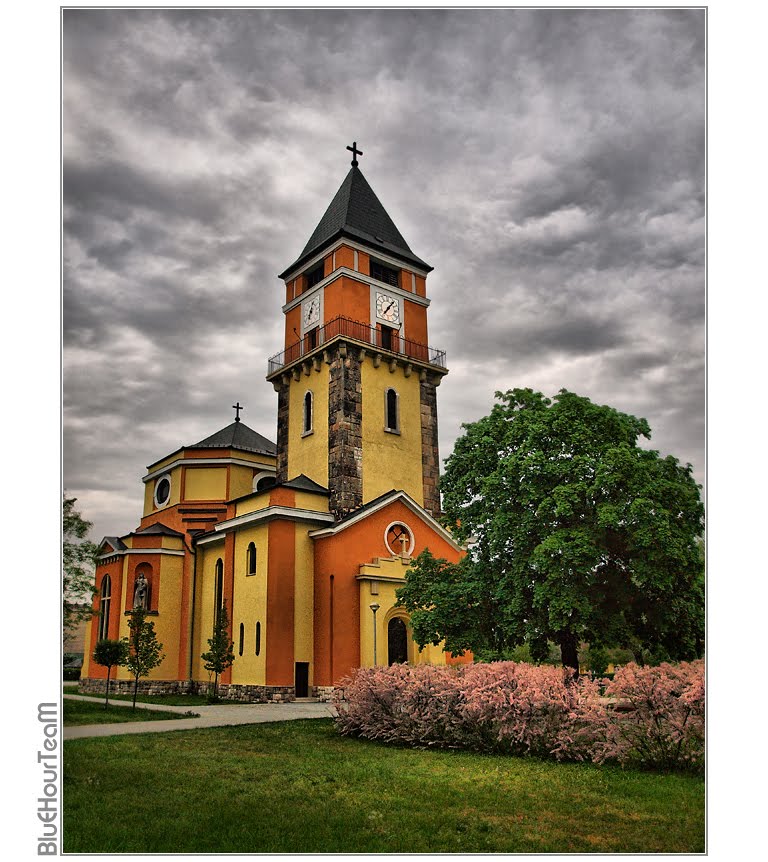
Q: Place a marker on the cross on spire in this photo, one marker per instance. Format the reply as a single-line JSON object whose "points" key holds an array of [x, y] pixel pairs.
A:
{"points": [[355, 153], [237, 408]]}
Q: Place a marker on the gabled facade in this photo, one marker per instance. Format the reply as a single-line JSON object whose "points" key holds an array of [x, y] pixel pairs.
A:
{"points": [[305, 541]]}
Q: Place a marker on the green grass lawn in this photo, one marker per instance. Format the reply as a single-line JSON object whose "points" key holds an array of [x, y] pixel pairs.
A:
{"points": [[85, 712], [298, 786], [161, 699]]}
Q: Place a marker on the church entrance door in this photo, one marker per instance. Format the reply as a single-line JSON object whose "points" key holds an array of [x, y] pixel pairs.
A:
{"points": [[397, 641], [302, 679]]}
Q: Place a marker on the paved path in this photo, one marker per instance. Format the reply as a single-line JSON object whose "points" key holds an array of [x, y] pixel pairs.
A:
{"points": [[219, 715]]}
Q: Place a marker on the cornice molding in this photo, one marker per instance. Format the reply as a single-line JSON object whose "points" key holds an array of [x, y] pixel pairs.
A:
{"points": [[357, 246], [358, 276], [180, 462]]}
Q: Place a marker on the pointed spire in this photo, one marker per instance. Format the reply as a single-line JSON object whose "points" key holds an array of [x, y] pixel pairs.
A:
{"points": [[357, 213]]}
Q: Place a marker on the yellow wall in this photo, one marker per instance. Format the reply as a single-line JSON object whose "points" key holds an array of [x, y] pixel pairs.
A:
{"points": [[241, 478], [386, 599], [205, 483], [391, 460], [309, 454], [250, 606], [167, 622], [203, 626]]}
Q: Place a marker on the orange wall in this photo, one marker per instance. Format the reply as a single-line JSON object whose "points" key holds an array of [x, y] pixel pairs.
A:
{"points": [[292, 321], [348, 298], [345, 257], [341, 556], [416, 322], [115, 572]]}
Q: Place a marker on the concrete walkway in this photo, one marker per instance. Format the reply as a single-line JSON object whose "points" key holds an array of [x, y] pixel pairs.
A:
{"points": [[218, 715]]}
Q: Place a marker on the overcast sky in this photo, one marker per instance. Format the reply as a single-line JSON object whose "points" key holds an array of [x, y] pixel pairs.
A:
{"points": [[549, 164]]}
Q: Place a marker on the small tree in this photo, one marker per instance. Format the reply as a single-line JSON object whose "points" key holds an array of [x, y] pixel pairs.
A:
{"points": [[144, 650], [78, 556], [221, 653], [109, 654]]}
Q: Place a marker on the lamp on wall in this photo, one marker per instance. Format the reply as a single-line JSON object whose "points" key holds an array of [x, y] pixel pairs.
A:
{"points": [[374, 607]]}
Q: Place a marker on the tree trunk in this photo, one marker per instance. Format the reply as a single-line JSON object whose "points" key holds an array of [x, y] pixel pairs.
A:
{"points": [[135, 690], [106, 699], [569, 651]]}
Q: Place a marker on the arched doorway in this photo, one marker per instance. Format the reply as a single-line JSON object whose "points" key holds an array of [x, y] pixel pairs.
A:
{"points": [[397, 641]]}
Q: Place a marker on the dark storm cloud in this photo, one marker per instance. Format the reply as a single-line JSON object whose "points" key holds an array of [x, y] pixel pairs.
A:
{"points": [[548, 163]]}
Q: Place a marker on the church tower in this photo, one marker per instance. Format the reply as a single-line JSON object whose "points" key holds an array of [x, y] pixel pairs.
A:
{"points": [[357, 379]]}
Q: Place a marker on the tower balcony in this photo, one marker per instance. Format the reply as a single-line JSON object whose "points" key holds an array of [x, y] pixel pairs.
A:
{"points": [[385, 342]]}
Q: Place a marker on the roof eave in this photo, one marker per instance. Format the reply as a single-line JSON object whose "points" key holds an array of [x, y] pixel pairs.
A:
{"points": [[357, 236]]}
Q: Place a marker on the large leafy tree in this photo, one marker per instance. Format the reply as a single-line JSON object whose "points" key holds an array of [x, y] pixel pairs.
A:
{"points": [[575, 534], [78, 561]]}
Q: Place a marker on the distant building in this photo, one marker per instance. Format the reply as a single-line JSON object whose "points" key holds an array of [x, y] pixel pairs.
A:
{"points": [[305, 540], [74, 640]]}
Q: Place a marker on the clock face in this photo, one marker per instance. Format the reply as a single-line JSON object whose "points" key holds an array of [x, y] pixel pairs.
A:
{"points": [[387, 307], [312, 311]]}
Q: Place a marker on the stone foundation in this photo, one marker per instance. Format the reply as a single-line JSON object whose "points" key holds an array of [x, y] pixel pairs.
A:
{"points": [[231, 691]]}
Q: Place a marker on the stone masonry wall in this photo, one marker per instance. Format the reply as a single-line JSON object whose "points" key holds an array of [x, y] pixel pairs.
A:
{"points": [[345, 424], [430, 456], [232, 691], [282, 432]]}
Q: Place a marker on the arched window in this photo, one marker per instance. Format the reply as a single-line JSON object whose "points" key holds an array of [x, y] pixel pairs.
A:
{"points": [[397, 641], [218, 598], [307, 413], [250, 560], [242, 637], [258, 638], [104, 602], [391, 410]]}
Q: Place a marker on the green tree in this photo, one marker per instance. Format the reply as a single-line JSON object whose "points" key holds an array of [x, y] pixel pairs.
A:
{"points": [[109, 654], [144, 650], [78, 562], [575, 534], [220, 653]]}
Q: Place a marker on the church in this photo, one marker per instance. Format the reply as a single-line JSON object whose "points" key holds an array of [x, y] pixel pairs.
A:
{"points": [[305, 540]]}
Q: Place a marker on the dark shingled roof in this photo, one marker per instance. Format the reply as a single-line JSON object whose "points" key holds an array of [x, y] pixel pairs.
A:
{"points": [[114, 541], [304, 483], [237, 436], [155, 529], [357, 213]]}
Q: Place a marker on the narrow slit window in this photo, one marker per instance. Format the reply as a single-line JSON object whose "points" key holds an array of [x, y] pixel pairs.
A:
{"points": [[219, 589], [391, 408], [308, 413], [104, 604], [258, 638], [242, 638], [250, 567]]}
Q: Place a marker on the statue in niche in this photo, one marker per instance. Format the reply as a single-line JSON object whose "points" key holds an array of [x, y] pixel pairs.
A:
{"points": [[141, 592]]}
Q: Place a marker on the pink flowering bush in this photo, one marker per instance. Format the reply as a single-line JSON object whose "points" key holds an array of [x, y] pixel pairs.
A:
{"points": [[649, 717], [657, 719]]}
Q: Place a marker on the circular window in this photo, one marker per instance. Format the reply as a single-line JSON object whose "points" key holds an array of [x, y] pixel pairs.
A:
{"points": [[399, 539], [162, 490]]}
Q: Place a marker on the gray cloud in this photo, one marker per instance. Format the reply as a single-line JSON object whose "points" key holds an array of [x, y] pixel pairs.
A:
{"points": [[548, 163]]}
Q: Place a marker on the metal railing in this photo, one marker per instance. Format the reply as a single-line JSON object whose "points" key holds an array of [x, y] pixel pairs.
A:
{"points": [[384, 340]]}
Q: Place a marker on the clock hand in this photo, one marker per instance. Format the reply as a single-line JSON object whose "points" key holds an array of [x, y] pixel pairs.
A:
{"points": [[389, 306]]}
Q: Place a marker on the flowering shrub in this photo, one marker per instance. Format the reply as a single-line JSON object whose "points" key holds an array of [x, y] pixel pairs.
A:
{"points": [[649, 717], [658, 717]]}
